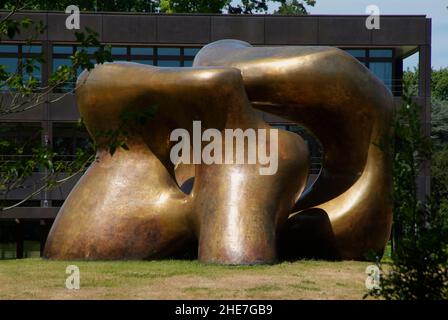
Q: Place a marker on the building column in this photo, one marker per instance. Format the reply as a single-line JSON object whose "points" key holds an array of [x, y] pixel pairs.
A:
{"points": [[19, 238], [47, 129], [424, 92]]}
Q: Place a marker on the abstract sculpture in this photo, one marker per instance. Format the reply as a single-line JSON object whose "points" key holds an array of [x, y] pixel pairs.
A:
{"points": [[130, 205]]}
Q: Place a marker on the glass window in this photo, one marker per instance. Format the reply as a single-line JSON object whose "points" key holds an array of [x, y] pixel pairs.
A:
{"points": [[279, 126], [382, 70], [63, 49], [37, 72], [119, 50], [168, 51], [380, 53], [31, 49], [24, 136], [67, 137], [191, 51], [67, 86], [314, 146], [357, 53], [188, 63], [149, 62], [168, 63], [142, 51], [60, 62], [10, 64], [7, 48], [90, 50]]}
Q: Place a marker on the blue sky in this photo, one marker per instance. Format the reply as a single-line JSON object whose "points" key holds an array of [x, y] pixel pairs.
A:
{"points": [[434, 9]]}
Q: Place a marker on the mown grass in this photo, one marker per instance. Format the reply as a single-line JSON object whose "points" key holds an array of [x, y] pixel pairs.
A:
{"points": [[182, 279]]}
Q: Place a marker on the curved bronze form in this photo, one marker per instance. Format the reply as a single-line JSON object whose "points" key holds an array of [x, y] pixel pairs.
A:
{"points": [[137, 204], [128, 206], [347, 212]]}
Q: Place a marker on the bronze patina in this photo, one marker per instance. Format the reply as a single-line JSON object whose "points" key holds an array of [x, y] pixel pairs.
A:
{"points": [[130, 205]]}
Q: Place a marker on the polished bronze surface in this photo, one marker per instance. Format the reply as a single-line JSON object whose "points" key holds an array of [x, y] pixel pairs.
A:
{"points": [[348, 109], [128, 206], [137, 204]]}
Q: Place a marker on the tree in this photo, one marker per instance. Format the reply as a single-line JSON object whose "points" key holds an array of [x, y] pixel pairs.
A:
{"points": [[439, 84], [88, 5], [439, 122], [23, 91], [188, 6], [244, 7], [419, 268], [294, 7], [170, 6], [439, 182], [248, 7]]}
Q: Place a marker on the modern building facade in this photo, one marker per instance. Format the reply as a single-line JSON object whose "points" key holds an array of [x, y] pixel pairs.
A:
{"points": [[173, 41]]}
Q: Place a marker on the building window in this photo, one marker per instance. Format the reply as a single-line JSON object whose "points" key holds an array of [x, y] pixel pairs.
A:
{"points": [[380, 62], [10, 64], [382, 70], [380, 53], [144, 55], [168, 63], [61, 57], [17, 140], [357, 53], [67, 138], [14, 56], [158, 56], [314, 146]]}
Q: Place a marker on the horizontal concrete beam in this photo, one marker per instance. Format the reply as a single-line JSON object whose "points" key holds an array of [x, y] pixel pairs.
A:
{"points": [[199, 29], [29, 213]]}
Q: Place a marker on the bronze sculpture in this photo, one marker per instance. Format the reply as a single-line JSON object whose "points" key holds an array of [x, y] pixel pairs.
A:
{"points": [[131, 206]]}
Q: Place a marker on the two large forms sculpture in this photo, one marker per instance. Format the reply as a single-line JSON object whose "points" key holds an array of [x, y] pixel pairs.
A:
{"points": [[130, 205]]}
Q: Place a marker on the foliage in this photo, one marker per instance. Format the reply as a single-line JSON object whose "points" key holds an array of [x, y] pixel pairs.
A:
{"points": [[439, 122], [420, 259], [439, 84], [21, 92], [86, 5], [410, 79], [294, 7], [243, 7], [188, 6], [297, 7], [16, 170], [439, 182], [248, 7]]}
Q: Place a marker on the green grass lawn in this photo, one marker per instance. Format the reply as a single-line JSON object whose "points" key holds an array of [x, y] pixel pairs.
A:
{"points": [[180, 279]]}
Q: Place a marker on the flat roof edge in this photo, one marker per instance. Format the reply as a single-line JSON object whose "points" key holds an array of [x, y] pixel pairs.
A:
{"points": [[224, 14]]}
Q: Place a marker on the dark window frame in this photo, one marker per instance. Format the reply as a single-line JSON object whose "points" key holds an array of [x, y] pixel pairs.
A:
{"points": [[395, 86], [20, 55]]}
